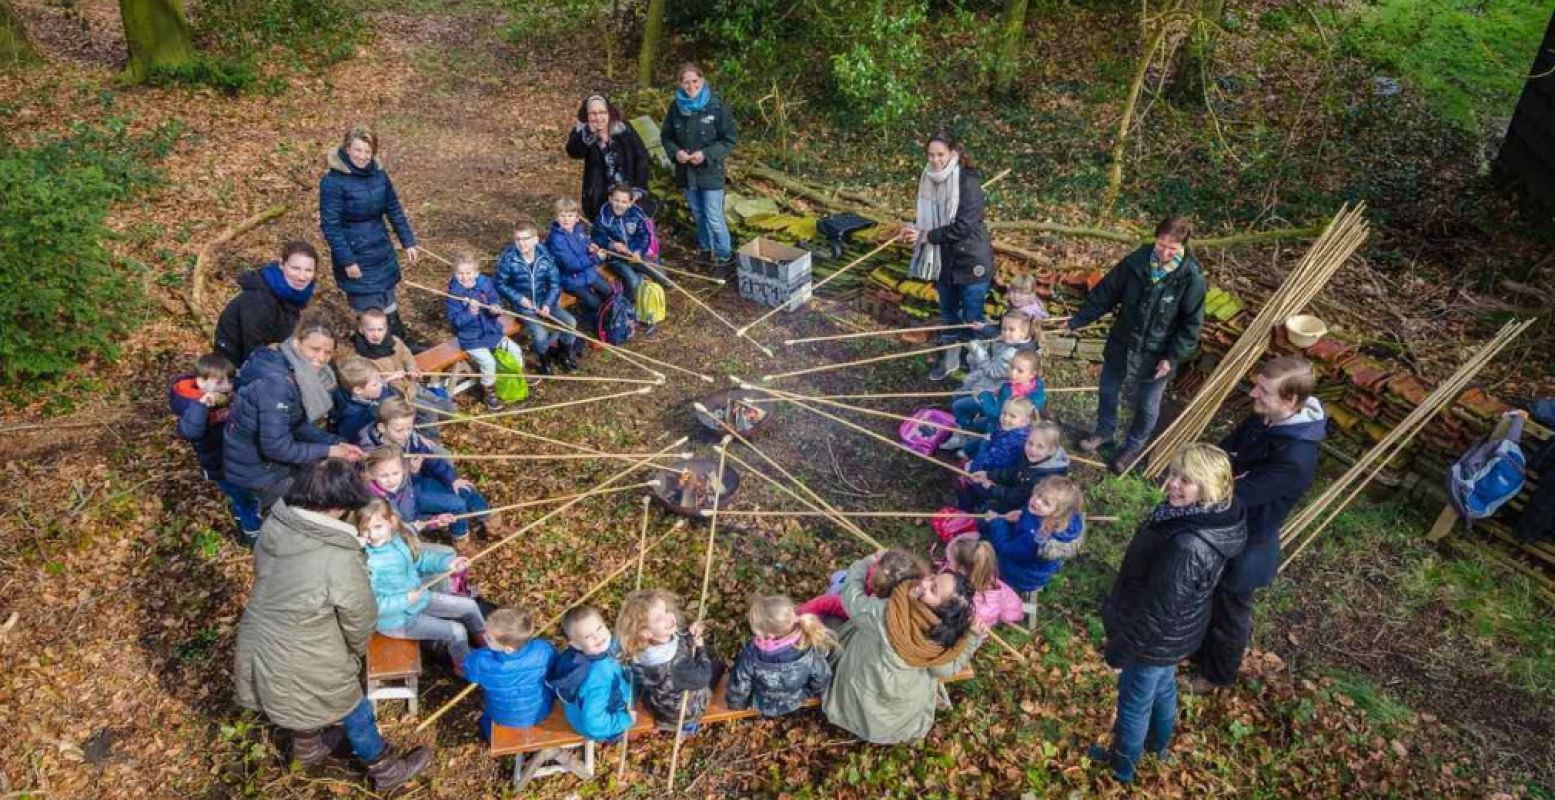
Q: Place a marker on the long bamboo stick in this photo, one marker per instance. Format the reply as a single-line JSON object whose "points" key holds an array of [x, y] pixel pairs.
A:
{"points": [[521, 411], [544, 378], [642, 552], [545, 501], [890, 514], [895, 331], [860, 362], [888, 415], [828, 279], [540, 456], [575, 447], [662, 267], [699, 303], [894, 395]]}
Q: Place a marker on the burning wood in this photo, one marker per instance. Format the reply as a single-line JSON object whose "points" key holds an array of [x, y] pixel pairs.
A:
{"points": [[695, 490]]}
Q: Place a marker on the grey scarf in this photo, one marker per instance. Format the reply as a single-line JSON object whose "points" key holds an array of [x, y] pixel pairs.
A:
{"points": [[315, 384], [939, 196]]}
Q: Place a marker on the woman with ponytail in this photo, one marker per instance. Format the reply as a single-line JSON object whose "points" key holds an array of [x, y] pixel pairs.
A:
{"points": [[895, 649], [785, 663]]}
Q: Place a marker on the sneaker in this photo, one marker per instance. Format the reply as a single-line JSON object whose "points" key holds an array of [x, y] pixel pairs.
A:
{"points": [[1124, 460], [490, 399], [955, 442], [645, 330], [1198, 684], [1090, 444]]}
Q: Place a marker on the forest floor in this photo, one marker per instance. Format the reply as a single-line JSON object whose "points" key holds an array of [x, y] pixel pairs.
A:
{"points": [[115, 681]]}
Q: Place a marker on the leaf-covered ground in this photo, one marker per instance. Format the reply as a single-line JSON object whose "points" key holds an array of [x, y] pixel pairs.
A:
{"points": [[115, 679]]}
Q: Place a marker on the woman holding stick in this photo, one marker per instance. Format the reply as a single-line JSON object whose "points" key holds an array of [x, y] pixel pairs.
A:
{"points": [[894, 651], [951, 243]]}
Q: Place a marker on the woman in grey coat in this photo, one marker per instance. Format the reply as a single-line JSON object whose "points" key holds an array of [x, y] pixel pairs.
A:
{"points": [[307, 622]]}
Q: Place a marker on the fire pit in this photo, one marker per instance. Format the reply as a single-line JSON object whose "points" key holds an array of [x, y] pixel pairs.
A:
{"points": [[688, 489], [747, 411]]}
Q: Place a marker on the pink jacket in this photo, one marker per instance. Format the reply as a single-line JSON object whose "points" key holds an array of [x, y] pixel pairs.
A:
{"points": [[996, 605]]}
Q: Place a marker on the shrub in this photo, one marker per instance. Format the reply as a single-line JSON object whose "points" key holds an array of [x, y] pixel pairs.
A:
{"points": [[231, 76], [63, 296]]}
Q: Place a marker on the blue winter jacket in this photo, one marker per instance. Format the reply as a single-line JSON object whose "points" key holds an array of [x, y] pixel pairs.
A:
{"points": [[516, 695], [631, 228], [352, 206], [403, 499], [349, 415], [1027, 559], [200, 426], [595, 694], [268, 434], [396, 573], [570, 249], [1274, 467], [476, 330], [439, 468], [993, 402], [1005, 449], [539, 281]]}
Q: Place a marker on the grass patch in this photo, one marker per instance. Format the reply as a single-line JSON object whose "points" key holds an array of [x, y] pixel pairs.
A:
{"points": [[1379, 706]]}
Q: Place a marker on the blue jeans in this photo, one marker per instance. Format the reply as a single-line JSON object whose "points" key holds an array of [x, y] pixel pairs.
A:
{"points": [[1147, 712], [449, 619], [434, 497], [245, 507], [707, 208], [540, 336], [1146, 404], [362, 731], [961, 304]]}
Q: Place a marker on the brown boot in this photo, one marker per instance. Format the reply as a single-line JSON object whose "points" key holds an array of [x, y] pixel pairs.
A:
{"points": [[312, 748], [389, 773]]}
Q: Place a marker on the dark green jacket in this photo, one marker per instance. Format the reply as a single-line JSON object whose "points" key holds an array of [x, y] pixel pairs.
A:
{"points": [[711, 131], [1158, 321]]}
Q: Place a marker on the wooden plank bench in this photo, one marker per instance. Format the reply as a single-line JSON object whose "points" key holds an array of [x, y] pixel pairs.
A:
{"points": [[393, 670], [553, 739]]}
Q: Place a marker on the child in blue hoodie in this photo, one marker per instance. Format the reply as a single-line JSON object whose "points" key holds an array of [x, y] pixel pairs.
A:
{"points": [[477, 322], [1004, 447], [578, 259], [589, 679], [398, 565], [358, 394], [511, 672], [1033, 542], [200, 401], [1004, 490]]}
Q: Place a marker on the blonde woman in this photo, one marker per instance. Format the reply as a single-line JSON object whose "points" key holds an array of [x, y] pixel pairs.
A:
{"points": [[1159, 607]]}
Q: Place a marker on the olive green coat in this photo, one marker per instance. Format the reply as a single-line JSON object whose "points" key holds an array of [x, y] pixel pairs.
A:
{"points": [[307, 622], [874, 694]]}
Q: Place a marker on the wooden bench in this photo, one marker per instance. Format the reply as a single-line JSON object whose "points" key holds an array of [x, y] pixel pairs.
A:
{"points": [[393, 670], [554, 740]]}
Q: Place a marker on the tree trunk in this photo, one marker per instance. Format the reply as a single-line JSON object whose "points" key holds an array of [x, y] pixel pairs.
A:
{"points": [[1012, 41], [1120, 142], [653, 34], [158, 35], [16, 47], [1186, 85]]}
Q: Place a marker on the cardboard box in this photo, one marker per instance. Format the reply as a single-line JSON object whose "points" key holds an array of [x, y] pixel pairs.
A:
{"points": [[774, 274]]}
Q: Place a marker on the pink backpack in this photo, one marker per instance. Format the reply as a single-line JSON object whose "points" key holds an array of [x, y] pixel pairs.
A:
{"points": [[947, 528], [925, 439], [653, 242]]}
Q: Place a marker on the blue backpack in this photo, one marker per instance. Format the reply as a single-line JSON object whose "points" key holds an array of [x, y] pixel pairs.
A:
{"points": [[1488, 475], [615, 321]]}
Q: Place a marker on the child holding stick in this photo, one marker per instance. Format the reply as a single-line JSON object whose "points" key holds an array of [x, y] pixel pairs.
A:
{"points": [[890, 569], [511, 672], [531, 286], [622, 229], [388, 478], [988, 363], [393, 360], [1032, 543], [477, 323], [358, 394], [1005, 446], [666, 661], [439, 489], [979, 412], [589, 680], [578, 258], [785, 663], [398, 564], [1004, 490], [993, 600]]}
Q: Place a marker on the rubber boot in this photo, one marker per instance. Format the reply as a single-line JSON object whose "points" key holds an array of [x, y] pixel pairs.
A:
{"points": [[312, 748], [389, 772], [949, 362], [397, 327]]}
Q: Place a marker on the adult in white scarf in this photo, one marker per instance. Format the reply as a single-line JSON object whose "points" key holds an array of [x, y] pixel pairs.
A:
{"points": [[951, 243]]}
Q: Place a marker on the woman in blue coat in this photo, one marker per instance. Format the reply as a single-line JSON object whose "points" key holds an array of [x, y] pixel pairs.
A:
{"points": [[355, 197]]}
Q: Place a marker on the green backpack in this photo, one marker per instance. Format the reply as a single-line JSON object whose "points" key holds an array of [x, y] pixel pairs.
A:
{"points": [[511, 386]]}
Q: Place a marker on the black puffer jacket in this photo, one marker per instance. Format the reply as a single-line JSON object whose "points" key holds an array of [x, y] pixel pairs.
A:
{"points": [[253, 319], [1160, 602], [268, 435], [691, 670], [778, 682], [1159, 320], [966, 249]]}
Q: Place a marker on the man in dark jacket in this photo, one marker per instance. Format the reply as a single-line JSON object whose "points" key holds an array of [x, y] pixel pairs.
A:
{"points": [[268, 302], [1274, 455], [698, 134], [1158, 293]]}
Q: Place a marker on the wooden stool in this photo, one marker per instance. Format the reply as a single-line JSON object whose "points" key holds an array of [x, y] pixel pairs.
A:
{"points": [[1030, 607], [554, 760], [393, 671]]}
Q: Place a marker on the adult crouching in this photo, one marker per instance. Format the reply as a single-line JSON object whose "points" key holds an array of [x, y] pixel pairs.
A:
{"points": [[306, 626], [894, 651], [268, 303]]}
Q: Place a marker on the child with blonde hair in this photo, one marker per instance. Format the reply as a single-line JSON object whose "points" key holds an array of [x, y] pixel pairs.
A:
{"points": [[891, 568], [666, 660], [784, 664], [980, 412], [988, 363], [1021, 295], [437, 485], [388, 476], [1003, 490], [1033, 543], [398, 564], [511, 672], [359, 391], [1004, 447], [474, 312], [993, 600]]}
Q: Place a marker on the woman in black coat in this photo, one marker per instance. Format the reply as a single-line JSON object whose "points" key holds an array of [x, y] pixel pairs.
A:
{"points": [[268, 302], [951, 244], [1159, 606], [612, 154]]}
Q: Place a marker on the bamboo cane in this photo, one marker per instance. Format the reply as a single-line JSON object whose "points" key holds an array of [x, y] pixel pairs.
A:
{"points": [[469, 690], [707, 582], [888, 415], [890, 514], [700, 304], [867, 432], [544, 378], [661, 266], [860, 362], [518, 412], [828, 279], [540, 456], [893, 395], [527, 435], [544, 501], [894, 331], [642, 552]]}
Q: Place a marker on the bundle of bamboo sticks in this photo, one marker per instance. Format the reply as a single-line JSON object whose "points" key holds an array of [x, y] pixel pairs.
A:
{"points": [[1305, 526], [1339, 241]]}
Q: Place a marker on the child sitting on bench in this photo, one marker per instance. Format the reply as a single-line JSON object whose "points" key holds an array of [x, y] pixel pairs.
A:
{"points": [[988, 363], [1005, 446], [1002, 490], [994, 601], [477, 324], [388, 477], [891, 568], [393, 361], [511, 672], [530, 285], [622, 229], [578, 258], [665, 659], [439, 489], [785, 664], [201, 400], [1033, 542], [589, 680], [980, 412], [398, 564], [358, 395]]}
